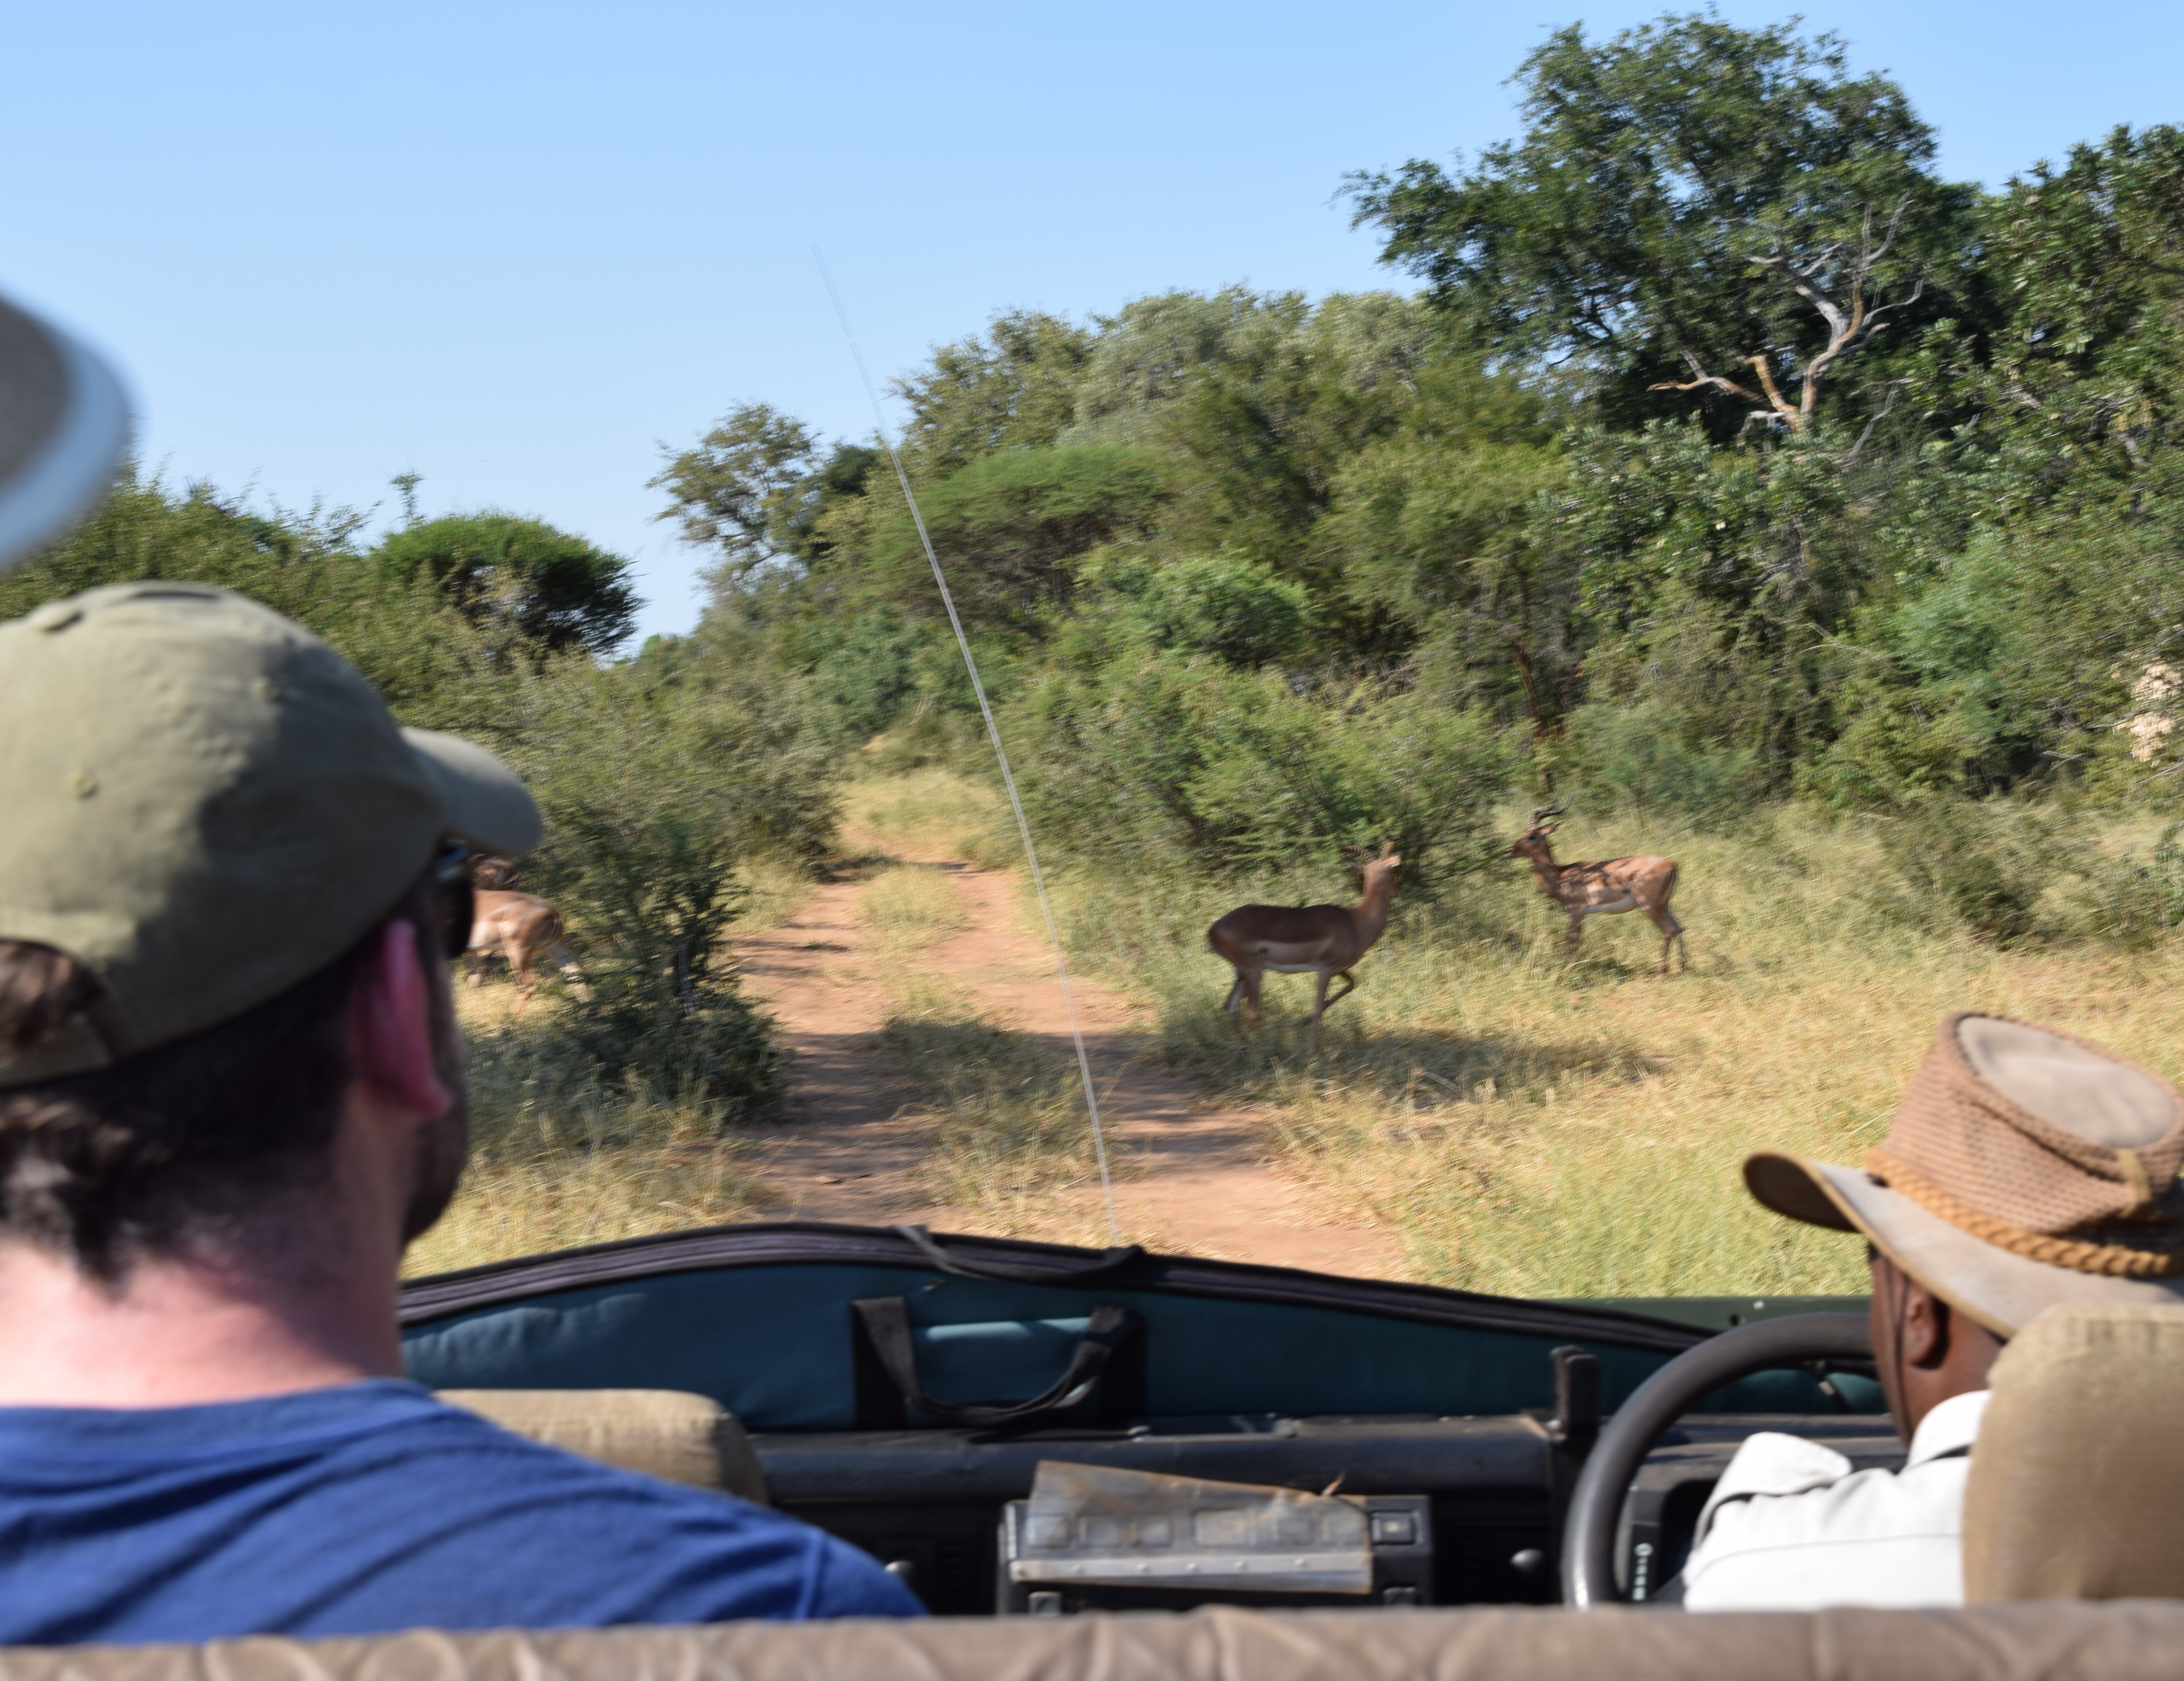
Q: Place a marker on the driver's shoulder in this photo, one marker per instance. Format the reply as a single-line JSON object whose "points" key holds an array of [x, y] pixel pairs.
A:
{"points": [[1804, 1483], [1773, 1463], [1783, 1491]]}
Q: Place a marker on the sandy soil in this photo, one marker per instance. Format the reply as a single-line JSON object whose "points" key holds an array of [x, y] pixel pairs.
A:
{"points": [[848, 1149]]}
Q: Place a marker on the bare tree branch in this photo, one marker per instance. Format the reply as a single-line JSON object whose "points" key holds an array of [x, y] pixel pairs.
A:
{"points": [[1895, 390], [1852, 315], [1701, 377], [1774, 396]]}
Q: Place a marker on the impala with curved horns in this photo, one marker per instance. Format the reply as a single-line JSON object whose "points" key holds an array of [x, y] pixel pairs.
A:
{"points": [[1608, 889], [1319, 940]]}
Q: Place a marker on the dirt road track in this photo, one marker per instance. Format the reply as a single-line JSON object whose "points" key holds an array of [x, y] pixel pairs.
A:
{"points": [[848, 1149]]}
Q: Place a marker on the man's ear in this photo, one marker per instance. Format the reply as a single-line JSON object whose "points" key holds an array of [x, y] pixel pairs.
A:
{"points": [[1924, 1335], [390, 1023]]}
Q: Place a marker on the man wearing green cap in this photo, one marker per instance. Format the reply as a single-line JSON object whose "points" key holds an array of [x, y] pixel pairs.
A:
{"points": [[231, 1092], [2026, 1171]]}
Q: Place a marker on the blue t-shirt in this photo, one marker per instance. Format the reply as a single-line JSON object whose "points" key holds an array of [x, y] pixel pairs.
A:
{"points": [[373, 1507]]}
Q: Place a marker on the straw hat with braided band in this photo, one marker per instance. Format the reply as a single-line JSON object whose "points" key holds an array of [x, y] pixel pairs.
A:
{"points": [[2024, 1168]]}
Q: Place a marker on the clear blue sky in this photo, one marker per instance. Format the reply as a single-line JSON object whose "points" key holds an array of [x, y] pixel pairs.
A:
{"points": [[512, 247]]}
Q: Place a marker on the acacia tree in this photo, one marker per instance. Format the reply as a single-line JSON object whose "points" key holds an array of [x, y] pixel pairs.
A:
{"points": [[523, 583], [1686, 190], [734, 488]]}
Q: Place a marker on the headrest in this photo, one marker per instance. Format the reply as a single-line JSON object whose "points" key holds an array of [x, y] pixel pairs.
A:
{"points": [[666, 1433], [2076, 1488]]}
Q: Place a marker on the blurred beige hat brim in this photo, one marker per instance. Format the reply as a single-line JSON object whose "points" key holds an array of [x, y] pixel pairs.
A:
{"points": [[2002, 1291], [485, 803], [64, 427]]}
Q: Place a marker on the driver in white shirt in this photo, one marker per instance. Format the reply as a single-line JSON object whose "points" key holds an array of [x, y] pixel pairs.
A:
{"points": [[2025, 1168]]}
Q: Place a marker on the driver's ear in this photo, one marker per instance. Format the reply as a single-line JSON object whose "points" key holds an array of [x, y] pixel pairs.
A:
{"points": [[1923, 1333], [390, 1025]]}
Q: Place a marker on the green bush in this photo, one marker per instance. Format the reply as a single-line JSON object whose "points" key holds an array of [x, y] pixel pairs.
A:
{"points": [[872, 672], [649, 808], [1984, 864], [1898, 746], [433, 665], [1236, 772], [1009, 525], [1237, 611], [1641, 758], [2128, 901], [520, 581]]}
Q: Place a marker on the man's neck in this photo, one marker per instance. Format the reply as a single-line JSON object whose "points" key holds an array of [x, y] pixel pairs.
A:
{"points": [[185, 1331]]}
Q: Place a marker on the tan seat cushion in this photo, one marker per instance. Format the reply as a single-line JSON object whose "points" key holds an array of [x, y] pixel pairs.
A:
{"points": [[1991, 1643], [663, 1432], [2076, 1490]]}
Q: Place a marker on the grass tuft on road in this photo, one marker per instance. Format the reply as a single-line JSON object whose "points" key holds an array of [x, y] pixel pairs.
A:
{"points": [[910, 905], [937, 813], [1009, 1137]]}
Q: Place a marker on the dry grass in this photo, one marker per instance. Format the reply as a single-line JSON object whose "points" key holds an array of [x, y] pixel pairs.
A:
{"points": [[1538, 1126], [910, 904], [1009, 1142], [933, 812], [1526, 1123], [558, 1159], [774, 890], [584, 1196], [1008, 1136]]}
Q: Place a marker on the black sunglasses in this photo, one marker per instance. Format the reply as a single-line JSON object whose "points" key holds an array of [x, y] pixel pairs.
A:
{"points": [[451, 874]]}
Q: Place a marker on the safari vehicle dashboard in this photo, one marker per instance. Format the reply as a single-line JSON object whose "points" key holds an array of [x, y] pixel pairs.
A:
{"points": [[1022, 1428]]}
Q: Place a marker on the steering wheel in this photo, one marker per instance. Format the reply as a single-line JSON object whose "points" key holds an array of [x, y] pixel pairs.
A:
{"points": [[1597, 1503]]}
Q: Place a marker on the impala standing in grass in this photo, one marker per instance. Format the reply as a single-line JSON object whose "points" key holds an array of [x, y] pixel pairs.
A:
{"points": [[524, 928], [1608, 889], [1321, 939]]}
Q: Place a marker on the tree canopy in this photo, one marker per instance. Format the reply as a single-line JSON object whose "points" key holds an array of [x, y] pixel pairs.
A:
{"points": [[1725, 452], [1690, 202], [1727, 448], [520, 580]]}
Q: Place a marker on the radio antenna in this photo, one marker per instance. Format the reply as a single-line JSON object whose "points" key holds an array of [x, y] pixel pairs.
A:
{"points": [[1000, 753]]}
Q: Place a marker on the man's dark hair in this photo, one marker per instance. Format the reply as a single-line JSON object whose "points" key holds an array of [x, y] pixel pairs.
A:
{"points": [[134, 1160]]}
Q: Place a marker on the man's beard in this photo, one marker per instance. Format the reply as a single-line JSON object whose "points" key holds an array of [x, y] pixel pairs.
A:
{"points": [[443, 1142]]}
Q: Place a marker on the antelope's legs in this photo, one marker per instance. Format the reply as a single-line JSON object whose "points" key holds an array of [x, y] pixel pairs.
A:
{"points": [[1672, 934], [1348, 986], [1243, 993]]}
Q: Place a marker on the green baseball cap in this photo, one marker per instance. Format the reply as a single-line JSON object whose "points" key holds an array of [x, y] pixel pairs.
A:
{"points": [[206, 805]]}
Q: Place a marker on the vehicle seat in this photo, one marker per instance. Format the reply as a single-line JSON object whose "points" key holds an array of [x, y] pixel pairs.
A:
{"points": [[663, 1432], [2076, 1486]]}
